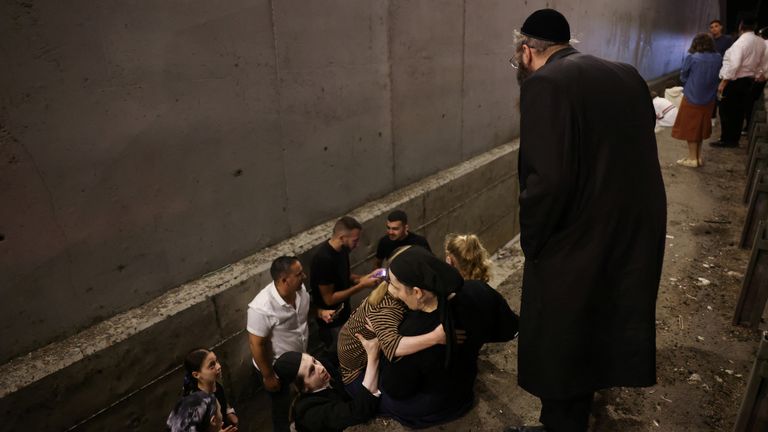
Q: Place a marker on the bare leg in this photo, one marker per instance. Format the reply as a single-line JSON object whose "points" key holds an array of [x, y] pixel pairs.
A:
{"points": [[699, 159], [693, 152]]}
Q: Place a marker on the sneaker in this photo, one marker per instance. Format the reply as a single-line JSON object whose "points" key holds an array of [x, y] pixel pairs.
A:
{"points": [[690, 163]]}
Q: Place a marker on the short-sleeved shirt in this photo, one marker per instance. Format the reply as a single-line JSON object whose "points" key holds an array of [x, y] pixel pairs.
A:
{"points": [[330, 267], [384, 318], [387, 246], [270, 316]]}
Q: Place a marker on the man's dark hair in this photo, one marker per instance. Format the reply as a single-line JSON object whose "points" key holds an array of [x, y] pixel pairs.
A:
{"points": [[398, 215], [748, 22], [346, 223], [702, 42], [716, 21], [281, 266]]}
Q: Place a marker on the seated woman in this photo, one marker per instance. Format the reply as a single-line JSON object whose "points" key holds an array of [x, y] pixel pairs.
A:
{"points": [[321, 406], [378, 316], [195, 412], [436, 385]]}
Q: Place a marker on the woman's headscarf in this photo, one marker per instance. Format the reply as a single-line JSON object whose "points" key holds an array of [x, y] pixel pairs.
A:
{"points": [[417, 267]]}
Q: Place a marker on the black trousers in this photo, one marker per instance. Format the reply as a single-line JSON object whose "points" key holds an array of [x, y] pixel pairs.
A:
{"points": [[566, 415], [754, 95], [281, 403], [737, 97]]}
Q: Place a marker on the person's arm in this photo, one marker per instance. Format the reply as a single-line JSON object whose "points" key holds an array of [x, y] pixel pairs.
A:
{"points": [[548, 163], [261, 350], [331, 297], [413, 344], [371, 377], [685, 70], [731, 61]]}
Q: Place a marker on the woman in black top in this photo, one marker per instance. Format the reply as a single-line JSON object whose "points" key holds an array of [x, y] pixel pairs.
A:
{"points": [[323, 405], [436, 385]]}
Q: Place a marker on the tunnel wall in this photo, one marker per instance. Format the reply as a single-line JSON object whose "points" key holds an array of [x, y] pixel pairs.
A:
{"points": [[144, 144]]}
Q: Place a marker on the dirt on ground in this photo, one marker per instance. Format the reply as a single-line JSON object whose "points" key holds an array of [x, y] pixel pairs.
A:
{"points": [[703, 361]]}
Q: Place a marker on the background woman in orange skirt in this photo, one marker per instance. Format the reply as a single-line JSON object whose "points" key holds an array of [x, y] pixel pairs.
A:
{"points": [[699, 75]]}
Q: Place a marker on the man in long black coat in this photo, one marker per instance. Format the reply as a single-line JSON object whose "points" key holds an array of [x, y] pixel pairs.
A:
{"points": [[592, 222]]}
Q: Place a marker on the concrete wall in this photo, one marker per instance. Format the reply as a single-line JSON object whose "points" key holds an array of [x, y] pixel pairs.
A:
{"points": [[123, 373], [146, 143]]}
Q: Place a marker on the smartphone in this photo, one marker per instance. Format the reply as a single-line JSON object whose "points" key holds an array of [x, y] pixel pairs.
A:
{"points": [[380, 273], [337, 311]]}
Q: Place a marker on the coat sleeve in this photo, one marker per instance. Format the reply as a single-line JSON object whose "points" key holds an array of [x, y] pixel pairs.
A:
{"points": [[547, 164], [323, 413], [505, 321]]}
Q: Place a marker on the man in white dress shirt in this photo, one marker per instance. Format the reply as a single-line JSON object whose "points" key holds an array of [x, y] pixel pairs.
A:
{"points": [[277, 323], [741, 65]]}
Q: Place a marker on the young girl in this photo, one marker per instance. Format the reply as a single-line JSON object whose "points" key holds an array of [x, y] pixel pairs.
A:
{"points": [[202, 369]]}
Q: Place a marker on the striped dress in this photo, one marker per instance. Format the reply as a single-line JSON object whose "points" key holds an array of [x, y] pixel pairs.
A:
{"points": [[385, 318]]}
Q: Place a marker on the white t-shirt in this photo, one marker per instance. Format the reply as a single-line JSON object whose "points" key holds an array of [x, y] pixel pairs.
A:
{"points": [[270, 316]]}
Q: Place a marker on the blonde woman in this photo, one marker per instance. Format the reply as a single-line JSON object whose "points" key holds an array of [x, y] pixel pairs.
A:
{"points": [[465, 253], [378, 316]]}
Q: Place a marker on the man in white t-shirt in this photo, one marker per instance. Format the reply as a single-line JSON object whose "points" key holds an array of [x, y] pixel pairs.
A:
{"points": [[277, 323]]}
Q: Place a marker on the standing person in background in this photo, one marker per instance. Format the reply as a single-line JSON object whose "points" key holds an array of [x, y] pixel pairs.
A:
{"points": [[592, 225], [277, 323], [398, 234], [722, 41], [742, 63], [699, 76], [333, 283]]}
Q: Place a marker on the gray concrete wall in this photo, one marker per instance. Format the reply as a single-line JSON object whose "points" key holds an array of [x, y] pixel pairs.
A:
{"points": [[123, 373], [146, 143]]}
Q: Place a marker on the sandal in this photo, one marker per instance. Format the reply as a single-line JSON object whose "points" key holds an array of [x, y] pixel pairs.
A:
{"points": [[690, 163]]}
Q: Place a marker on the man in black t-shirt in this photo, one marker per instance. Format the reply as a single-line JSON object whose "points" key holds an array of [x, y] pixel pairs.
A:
{"points": [[397, 235], [332, 283]]}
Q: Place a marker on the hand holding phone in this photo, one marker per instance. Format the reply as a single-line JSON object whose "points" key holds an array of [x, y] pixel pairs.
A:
{"points": [[380, 273]]}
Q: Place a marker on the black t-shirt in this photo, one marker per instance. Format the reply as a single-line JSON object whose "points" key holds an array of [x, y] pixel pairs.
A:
{"points": [[387, 246], [330, 267], [222, 398]]}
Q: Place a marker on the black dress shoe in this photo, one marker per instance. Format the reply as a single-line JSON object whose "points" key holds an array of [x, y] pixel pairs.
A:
{"points": [[526, 429], [723, 144]]}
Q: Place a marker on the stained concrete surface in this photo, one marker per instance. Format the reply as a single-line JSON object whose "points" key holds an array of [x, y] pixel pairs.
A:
{"points": [[145, 144]]}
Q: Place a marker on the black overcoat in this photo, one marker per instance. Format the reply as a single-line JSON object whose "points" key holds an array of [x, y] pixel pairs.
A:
{"points": [[592, 227]]}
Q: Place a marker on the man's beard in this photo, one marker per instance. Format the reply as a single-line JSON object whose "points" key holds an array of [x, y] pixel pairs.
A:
{"points": [[523, 73]]}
